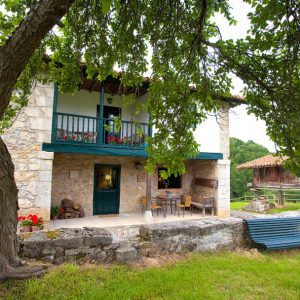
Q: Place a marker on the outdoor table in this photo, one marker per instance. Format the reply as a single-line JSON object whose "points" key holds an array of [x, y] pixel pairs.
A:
{"points": [[168, 199]]}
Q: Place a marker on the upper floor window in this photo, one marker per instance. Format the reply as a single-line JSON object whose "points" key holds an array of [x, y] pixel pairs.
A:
{"points": [[171, 183]]}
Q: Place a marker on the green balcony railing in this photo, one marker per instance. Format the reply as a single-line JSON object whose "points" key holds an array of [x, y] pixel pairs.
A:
{"points": [[78, 129]]}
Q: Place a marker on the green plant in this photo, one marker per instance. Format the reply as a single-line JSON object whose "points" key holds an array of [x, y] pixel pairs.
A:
{"points": [[55, 211], [107, 127], [26, 222], [118, 123]]}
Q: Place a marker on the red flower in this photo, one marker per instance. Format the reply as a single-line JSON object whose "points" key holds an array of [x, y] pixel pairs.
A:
{"points": [[119, 141], [61, 210], [34, 219], [65, 137]]}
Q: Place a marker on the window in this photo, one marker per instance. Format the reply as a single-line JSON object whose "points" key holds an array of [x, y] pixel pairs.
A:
{"points": [[171, 183]]}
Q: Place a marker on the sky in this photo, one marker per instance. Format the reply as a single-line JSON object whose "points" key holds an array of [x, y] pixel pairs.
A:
{"points": [[243, 126]]}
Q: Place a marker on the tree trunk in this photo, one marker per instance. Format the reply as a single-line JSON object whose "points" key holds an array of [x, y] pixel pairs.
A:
{"points": [[9, 261], [14, 55]]}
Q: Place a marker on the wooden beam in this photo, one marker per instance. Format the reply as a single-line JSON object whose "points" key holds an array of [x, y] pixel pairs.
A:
{"points": [[148, 192], [94, 82]]}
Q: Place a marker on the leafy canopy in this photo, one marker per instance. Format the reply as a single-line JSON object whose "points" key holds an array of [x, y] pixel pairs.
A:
{"points": [[182, 46]]}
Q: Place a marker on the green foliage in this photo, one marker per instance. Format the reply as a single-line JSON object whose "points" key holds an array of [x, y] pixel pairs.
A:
{"points": [[219, 275], [182, 45], [241, 152]]}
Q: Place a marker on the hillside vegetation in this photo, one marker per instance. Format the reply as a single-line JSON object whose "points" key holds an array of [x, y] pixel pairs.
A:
{"points": [[241, 152]]}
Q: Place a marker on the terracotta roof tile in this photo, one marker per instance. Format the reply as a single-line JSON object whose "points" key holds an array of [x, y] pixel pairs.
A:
{"points": [[265, 161]]}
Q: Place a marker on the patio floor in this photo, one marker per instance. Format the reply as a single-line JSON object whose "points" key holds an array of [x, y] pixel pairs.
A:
{"points": [[125, 219]]}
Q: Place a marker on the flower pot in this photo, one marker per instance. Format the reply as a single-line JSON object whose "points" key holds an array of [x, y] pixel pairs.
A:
{"points": [[25, 229], [36, 228]]}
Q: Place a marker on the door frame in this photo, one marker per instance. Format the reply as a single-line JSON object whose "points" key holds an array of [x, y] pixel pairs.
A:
{"points": [[118, 185]]}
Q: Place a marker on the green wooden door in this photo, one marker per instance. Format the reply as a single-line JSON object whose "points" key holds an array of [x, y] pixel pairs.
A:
{"points": [[106, 189]]}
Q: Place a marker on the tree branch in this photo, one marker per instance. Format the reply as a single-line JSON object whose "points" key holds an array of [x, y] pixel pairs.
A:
{"points": [[18, 49]]}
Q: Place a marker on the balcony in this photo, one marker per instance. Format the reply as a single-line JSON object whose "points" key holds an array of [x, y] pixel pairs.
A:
{"points": [[84, 130]]}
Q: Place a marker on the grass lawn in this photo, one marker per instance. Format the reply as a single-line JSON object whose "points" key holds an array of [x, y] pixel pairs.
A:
{"points": [[288, 206], [226, 275]]}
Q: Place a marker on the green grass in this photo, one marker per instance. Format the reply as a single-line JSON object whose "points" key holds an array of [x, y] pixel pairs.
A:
{"points": [[288, 206], [218, 275], [238, 205]]}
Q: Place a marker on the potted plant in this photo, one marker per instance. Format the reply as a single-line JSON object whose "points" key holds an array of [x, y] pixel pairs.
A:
{"points": [[61, 213], [25, 224], [55, 212], [37, 222]]}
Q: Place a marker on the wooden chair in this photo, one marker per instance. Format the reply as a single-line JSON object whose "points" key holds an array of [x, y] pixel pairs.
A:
{"points": [[154, 206], [186, 203], [204, 201], [208, 203]]}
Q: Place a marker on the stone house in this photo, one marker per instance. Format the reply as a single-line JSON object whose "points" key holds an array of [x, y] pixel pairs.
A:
{"points": [[90, 147]]}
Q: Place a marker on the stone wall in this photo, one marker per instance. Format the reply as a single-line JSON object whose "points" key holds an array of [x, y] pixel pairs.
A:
{"points": [[80, 189], [33, 167], [124, 244], [133, 182]]}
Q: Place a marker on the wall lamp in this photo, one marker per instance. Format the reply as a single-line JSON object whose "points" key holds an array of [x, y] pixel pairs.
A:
{"points": [[138, 166]]}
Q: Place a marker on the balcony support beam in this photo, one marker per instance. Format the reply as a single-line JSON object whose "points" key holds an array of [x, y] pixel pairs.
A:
{"points": [[54, 117], [100, 140]]}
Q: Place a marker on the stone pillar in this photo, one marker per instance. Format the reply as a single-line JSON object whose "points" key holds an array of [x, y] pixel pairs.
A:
{"points": [[224, 130], [33, 167], [222, 195]]}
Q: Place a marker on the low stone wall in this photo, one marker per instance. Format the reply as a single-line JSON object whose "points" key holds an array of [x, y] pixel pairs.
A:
{"points": [[128, 243]]}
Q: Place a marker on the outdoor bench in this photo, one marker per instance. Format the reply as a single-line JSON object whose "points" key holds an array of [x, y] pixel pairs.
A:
{"points": [[275, 233]]}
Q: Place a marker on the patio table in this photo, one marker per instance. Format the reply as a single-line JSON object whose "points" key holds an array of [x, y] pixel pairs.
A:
{"points": [[168, 199]]}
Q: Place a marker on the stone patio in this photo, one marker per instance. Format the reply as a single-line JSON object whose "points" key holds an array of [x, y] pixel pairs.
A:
{"points": [[125, 219]]}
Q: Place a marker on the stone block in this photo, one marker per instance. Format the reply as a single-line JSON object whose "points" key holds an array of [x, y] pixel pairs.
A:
{"points": [[72, 252], [70, 238], [189, 247], [46, 155], [59, 260], [99, 256], [45, 165], [40, 124], [24, 203], [125, 255], [59, 252], [43, 188], [45, 100], [33, 244], [45, 176], [34, 167], [32, 112], [96, 237], [43, 201], [87, 250]]}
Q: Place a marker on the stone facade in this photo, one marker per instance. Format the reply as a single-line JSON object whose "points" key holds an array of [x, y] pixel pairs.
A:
{"points": [[45, 178], [33, 167], [132, 185], [125, 244]]}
